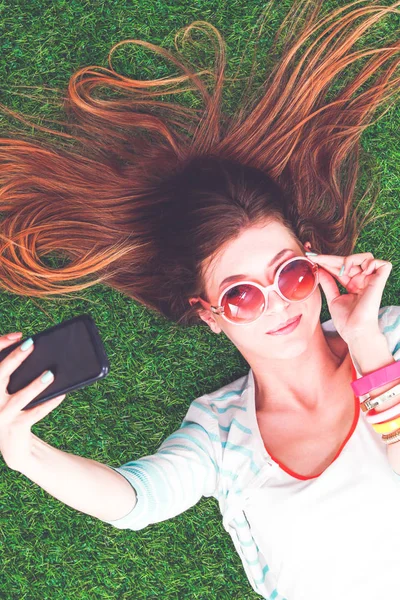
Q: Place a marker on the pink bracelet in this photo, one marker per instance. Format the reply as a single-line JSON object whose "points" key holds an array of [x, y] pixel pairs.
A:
{"points": [[376, 379]]}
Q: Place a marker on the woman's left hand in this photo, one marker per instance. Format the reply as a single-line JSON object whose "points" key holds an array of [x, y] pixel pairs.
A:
{"points": [[364, 277]]}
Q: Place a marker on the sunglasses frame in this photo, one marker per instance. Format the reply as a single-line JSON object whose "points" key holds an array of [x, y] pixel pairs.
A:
{"points": [[219, 310]]}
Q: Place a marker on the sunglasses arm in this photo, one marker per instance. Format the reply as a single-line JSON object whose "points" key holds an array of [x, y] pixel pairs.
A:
{"points": [[217, 310]]}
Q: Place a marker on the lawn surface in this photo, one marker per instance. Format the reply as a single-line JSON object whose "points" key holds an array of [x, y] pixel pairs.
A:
{"points": [[48, 550]]}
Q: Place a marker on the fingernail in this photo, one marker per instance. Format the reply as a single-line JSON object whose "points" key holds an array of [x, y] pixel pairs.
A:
{"points": [[48, 376], [341, 271], [311, 254], [14, 336], [27, 344]]}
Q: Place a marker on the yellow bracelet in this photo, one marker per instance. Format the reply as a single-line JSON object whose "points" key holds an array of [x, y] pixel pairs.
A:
{"points": [[387, 427]]}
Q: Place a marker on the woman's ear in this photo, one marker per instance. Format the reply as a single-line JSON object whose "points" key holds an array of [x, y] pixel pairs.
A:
{"points": [[307, 246], [207, 317]]}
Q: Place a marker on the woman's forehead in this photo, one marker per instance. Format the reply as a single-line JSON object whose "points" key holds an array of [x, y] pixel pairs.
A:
{"points": [[249, 247]]}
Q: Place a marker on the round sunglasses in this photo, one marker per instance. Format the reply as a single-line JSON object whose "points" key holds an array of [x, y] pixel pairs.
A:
{"points": [[245, 301]]}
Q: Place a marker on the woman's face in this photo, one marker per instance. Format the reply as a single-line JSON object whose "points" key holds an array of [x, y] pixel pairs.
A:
{"points": [[249, 256]]}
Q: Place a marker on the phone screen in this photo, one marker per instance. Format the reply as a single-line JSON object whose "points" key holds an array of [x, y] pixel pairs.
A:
{"points": [[72, 350]]}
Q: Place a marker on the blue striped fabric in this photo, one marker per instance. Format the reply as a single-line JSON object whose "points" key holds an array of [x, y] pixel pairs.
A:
{"points": [[214, 453]]}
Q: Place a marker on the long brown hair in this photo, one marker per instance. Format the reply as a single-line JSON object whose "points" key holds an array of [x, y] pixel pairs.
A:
{"points": [[148, 190]]}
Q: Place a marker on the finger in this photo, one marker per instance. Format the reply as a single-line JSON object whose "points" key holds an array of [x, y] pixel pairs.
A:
{"points": [[355, 260], [28, 393], [6, 340], [361, 279], [372, 294], [381, 274], [13, 360], [367, 267], [329, 286], [334, 263], [37, 413], [11, 336]]}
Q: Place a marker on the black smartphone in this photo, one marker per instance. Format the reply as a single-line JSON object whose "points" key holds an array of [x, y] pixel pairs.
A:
{"points": [[72, 350]]}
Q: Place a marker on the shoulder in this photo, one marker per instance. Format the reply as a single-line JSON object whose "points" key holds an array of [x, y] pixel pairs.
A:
{"points": [[389, 315], [389, 325], [389, 319], [231, 393], [211, 407]]}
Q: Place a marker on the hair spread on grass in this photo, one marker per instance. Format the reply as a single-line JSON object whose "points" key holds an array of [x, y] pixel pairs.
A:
{"points": [[138, 194]]}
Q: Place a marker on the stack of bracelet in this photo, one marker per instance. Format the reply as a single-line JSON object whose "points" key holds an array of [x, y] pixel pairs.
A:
{"points": [[378, 420]]}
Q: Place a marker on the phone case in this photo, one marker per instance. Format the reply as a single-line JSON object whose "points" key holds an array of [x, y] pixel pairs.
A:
{"points": [[87, 341]]}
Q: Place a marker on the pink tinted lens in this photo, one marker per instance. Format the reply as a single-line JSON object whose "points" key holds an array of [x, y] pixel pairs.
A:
{"points": [[296, 280], [245, 302]]}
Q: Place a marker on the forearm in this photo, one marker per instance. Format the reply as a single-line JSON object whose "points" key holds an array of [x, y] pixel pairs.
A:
{"points": [[82, 483], [371, 354]]}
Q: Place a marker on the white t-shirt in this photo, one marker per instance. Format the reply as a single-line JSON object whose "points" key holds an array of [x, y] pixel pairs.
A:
{"points": [[330, 531], [340, 521]]}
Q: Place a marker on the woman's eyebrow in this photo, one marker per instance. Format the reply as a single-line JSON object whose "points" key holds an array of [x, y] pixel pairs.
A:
{"points": [[243, 276]]}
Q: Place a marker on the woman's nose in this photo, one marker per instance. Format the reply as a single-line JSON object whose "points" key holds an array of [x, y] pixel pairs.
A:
{"points": [[275, 302]]}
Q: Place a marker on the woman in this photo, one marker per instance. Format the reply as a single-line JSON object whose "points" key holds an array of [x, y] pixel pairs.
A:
{"points": [[287, 451]]}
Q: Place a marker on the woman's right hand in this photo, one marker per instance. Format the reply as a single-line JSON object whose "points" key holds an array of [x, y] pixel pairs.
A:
{"points": [[15, 423]]}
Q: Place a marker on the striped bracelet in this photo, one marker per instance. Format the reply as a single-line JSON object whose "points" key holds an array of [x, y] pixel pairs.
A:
{"points": [[379, 417], [391, 438], [369, 402]]}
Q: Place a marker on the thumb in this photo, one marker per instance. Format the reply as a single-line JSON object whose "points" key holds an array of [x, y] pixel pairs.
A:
{"points": [[33, 415], [381, 275], [328, 285], [376, 285]]}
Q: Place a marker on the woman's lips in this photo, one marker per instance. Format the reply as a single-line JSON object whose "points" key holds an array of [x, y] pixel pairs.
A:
{"points": [[291, 326]]}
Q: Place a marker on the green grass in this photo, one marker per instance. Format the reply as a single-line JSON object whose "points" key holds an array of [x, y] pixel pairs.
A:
{"points": [[49, 551]]}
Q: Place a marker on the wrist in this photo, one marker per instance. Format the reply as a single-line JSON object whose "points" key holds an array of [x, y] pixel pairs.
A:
{"points": [[26, 460], [393, 456], [370, 353]]}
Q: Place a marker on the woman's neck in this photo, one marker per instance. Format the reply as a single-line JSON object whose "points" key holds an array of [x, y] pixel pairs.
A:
{"points": [[306, 382]]}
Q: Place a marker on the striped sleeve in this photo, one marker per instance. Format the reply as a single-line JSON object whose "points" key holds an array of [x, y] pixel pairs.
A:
{"points": [[392, 332], [183, 469]]}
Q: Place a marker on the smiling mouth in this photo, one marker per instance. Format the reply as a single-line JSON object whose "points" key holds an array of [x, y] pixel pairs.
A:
{"points": [[284, 325]]}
